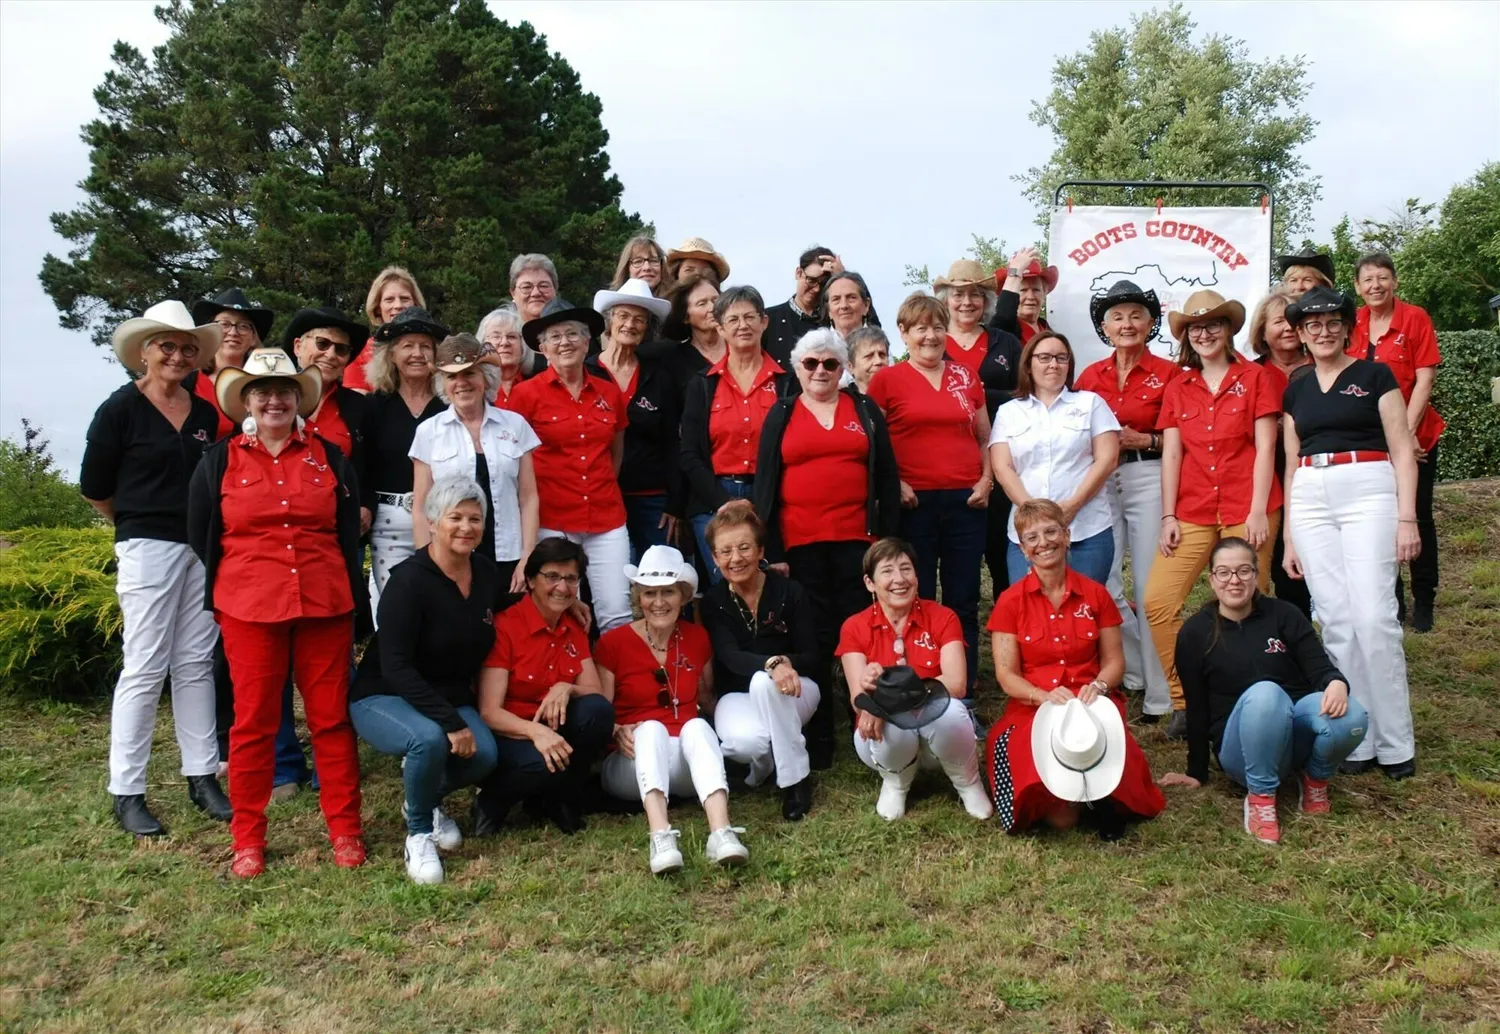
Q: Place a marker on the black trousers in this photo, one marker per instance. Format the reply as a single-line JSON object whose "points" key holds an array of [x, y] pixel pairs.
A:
{"points": [[1293, 590], [1424, 569], [521, 771], [997, 542], [832, 575]]}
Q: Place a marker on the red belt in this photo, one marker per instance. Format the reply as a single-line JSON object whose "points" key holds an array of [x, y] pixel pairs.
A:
{"points": [[1333, 459]]}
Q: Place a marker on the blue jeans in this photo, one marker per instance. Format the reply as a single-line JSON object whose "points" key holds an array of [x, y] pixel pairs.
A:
{"points": [[949, 537], [735, 490], [393, 726], [291, 763], [1268, 737], [1091, 557], [643, 514]]}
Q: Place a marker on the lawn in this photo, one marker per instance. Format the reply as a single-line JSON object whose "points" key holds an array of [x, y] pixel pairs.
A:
{"points": [[1384, 917]]}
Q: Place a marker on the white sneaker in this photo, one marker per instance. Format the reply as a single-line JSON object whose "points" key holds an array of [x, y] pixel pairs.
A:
{"points": [[422, 862], [892, 802], [445, 831], [724, 847], [761, 769], [976, 802], [665, 856]]}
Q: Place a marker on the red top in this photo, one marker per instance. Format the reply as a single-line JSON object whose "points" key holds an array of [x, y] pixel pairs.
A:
{"points": [[932, 429], [538, 657], [969, 358], [329, 422], [203, 387], [280, 547], [1028, 331], [1058, 647], [735, 422], [354, 373], [1137, 405], [824, 477], [625, 654], [1216, 481], [929, 627], [1408, 346], [575, 471]]}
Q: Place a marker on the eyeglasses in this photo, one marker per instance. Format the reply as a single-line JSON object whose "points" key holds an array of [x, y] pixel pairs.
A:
{"points": [[735, 322], [810, 364], [1234, 574], [539, 287], [552, 578], [235, 326], [266, 394], [743, 549], [643, 263], [1050, 358], [1207, 328], [560, 336], [1317, 328], [1051, 533], [169, 348], [340, 348], [628, 319]]}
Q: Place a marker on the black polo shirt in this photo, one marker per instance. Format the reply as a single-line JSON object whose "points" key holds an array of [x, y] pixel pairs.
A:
{"points": [[785, 329], [1345, 418], [135, 457], [388, 433]]}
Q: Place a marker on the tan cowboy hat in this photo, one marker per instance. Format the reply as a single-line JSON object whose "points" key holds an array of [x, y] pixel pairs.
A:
{"points": [[269, 363], [966, 273], [1078, 748], [698, 248], [458, 352], [131, 336], [1203, 306]]}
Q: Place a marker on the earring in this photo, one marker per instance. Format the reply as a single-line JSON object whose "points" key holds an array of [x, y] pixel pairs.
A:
{"points": [[300, 423], [249, 426]]}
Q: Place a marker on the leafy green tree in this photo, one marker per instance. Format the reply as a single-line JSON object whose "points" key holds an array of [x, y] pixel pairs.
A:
{"points": [[33, 492], [987, 251], [1151, 103], [295, 148]]}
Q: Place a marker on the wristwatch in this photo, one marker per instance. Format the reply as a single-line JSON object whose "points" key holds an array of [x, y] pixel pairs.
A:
{"points": [[775, 662], [1009, 272]]}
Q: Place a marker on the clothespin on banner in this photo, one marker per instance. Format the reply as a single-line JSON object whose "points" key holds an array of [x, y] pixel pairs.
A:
{"points": [[1070, 204], [1265, 202], [1158, 206]]}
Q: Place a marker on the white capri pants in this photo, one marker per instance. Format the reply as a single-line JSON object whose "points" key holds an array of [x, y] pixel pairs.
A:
{"points": [[1343, 524], [167, 631], [765, 723], [608, 553], [390, 543], [1134, 493], [688, 763], [947, 743]]}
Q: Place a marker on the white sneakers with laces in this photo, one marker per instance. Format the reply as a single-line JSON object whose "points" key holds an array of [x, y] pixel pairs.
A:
{"points": [[665, 855], [724, 847], [422, 862], [445, 831]]}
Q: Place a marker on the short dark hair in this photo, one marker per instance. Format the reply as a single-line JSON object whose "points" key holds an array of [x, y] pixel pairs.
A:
{"points": [[1233, 542], [731, 296], [812, 254], [554, 549], [1378, 259], [889, 548], [1025, 388]]}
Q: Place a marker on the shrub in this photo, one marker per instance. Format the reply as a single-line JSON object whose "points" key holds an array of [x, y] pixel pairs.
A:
{"points": [[1471, 444], [33, 492]]}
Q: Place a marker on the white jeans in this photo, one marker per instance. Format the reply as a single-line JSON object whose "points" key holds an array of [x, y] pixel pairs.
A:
{"points": [[167, 631], [608, 553], [1343, 523], [765, 723], [690, 762], [390, 543], [947, 743], [1134, 492]]}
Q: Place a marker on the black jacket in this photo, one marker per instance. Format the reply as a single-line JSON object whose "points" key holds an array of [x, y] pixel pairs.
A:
{"points": [[697, 458], [1275, 643], [205, 523], [997, 371], [785, 326], [882, 482], [785, 626], [652, 432]]}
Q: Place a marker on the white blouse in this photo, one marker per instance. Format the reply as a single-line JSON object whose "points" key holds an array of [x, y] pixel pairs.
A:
{"points": [[1052, 448], [444, 444]]}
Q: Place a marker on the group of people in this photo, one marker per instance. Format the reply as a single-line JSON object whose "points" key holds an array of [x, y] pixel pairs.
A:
{"points": [[613, 547]]}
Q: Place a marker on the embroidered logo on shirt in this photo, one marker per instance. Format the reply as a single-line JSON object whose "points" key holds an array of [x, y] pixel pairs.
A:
{"points": [[1153, 381], [570, 649], [312, 461], [853, 425], [1238, 389], [924, 641], [602, 403], [1274, 645], [1355, 390], [957, 384], [644, 403], [201, 435], [1084, 611], [489, 616], [769, 385]]}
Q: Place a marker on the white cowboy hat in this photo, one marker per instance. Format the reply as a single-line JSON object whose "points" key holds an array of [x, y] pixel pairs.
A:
{"points": [[131, 336], [1078, 748], [264, 364], [633, 292], [663, 565]]}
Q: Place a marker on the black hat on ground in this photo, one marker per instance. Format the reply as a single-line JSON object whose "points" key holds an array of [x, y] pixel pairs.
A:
{"points": [[1124, 292], [311, 319], [411, 321], [1310, 257], [1320, 301], [234, 300], [905, 699], [559, 311]]}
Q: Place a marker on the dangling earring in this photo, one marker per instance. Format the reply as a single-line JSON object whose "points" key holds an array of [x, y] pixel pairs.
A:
{"points": [[300, 423], [249, 426]]}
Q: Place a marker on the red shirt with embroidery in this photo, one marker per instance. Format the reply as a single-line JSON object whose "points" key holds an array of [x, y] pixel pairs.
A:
{"points": [[969, 358], [1058, 646], [736, 418], [824, 477], [575, 472], [929, 627], [329, 422], [1138, 404], [1218, 441], [280, 547], [203, 387], [622, 652], [932, 429], [354, 373], [537, 656], [1409, 345]]}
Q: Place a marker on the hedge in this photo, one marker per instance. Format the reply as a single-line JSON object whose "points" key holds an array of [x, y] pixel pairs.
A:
{"points": [[1471, 444]]}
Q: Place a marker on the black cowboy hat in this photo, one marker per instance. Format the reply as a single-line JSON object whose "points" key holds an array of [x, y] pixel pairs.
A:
{"points": [[1320, 301], [559, 311], [411, 321], [234, 300], [311, 319], [905, 699], [1123, 292], [1310, 257]]}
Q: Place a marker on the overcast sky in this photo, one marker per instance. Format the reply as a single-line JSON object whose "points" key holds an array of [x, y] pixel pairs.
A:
{"points": [[887, 131]]}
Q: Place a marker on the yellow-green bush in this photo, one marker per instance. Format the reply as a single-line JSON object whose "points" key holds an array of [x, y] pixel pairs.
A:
{"points": [[59, 620]]}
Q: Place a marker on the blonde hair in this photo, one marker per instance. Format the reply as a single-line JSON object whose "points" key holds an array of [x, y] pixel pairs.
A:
{"points": [[1280, 294], [622, 268], [377, 288], [1317, 273], [381, 372]]}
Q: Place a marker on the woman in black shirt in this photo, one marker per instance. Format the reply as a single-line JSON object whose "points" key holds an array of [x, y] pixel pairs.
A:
{"points": [[1262, 692], [1351, 502]]}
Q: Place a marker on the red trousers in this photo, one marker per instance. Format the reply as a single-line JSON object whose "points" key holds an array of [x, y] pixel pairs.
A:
{"points": [[318, 650]]}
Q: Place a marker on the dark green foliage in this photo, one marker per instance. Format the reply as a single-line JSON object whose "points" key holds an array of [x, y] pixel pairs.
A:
{"points": [[296, 148], [33, 492], [1471, 443]]}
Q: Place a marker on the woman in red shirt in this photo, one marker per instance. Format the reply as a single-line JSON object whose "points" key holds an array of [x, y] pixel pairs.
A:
{"points": [[1219, 424], [1035, 665], [658, 671], [243, 326], [1023, 295], [274, 514]]}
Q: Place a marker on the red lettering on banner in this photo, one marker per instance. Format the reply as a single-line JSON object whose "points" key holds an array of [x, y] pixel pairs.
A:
{"points": [[1078, 256], [1188, 233], [1130, 231]]}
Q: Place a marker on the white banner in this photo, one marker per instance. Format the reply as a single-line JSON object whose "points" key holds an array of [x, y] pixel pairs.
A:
{"points": [[1173, 251]]}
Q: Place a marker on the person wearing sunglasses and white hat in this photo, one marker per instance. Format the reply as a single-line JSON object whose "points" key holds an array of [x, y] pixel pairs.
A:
{"points": [[143, 445], [1061, 751], [658, 671]]}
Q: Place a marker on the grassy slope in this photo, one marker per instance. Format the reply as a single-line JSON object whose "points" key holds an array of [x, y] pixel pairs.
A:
{"points": [[1385, 917]]}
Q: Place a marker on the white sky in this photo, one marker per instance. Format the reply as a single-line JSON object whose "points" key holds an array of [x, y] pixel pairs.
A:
{"points": [[768, 127]]}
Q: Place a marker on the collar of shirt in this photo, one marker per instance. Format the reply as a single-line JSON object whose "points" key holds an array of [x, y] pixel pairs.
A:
{"points": [[914, 618], [1066, 398], [1237, 370], [1032, 583], [792, 302], [299, 436], [769, 368], [534, 621]]}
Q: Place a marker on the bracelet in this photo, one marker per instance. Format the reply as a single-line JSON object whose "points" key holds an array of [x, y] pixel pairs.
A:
{"points": [[1403, 520], [774, 663], [1169, 516]]}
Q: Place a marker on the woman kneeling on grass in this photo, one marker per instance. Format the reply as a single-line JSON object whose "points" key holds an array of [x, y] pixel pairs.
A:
{"points": [[658, 671], [1263, 693]]}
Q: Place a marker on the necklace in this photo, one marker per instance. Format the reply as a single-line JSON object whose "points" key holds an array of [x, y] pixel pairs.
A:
{"points": [[746, 612], [651, 638]]}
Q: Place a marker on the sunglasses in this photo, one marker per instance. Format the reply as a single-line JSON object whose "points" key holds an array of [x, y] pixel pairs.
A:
{"points": [[664, 697], [340, 348], [810, 364]]}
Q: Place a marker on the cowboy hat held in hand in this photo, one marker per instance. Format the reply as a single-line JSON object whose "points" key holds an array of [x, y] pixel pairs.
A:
{"points": [[1047, 275], [305, 320], [905, 699], [265, 364], [234, 300], [632, 292], [698, 248], [163, 317], [560, 311], [1203, 306], [1078, 748]]}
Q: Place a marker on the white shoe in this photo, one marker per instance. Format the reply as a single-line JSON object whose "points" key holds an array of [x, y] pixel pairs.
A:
{"points": [[422, 862], [892, 802], [761, 769], [445, 831], [724, 847], [665, 856], [976, 802]]}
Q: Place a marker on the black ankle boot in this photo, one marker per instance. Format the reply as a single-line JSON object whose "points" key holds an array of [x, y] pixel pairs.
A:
{"points": [[490, 811], [134, 817], [1421, 615], [204, 792], [796, 800]]}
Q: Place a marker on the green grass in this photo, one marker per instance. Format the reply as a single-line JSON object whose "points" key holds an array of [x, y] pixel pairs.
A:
{"points": [[1384, 917]]}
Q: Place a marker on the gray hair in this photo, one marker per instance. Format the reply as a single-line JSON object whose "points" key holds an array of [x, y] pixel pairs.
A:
{"points": [[509, 314], [869, 334], [447, 492], [521, 263], [991, 300], [491, 382], [583, 328], [732, 296], [653, 322], [824, 339]]}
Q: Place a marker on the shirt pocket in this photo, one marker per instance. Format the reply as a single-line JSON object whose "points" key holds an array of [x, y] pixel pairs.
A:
{"points": [[447, 456], [1234, 420]]}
